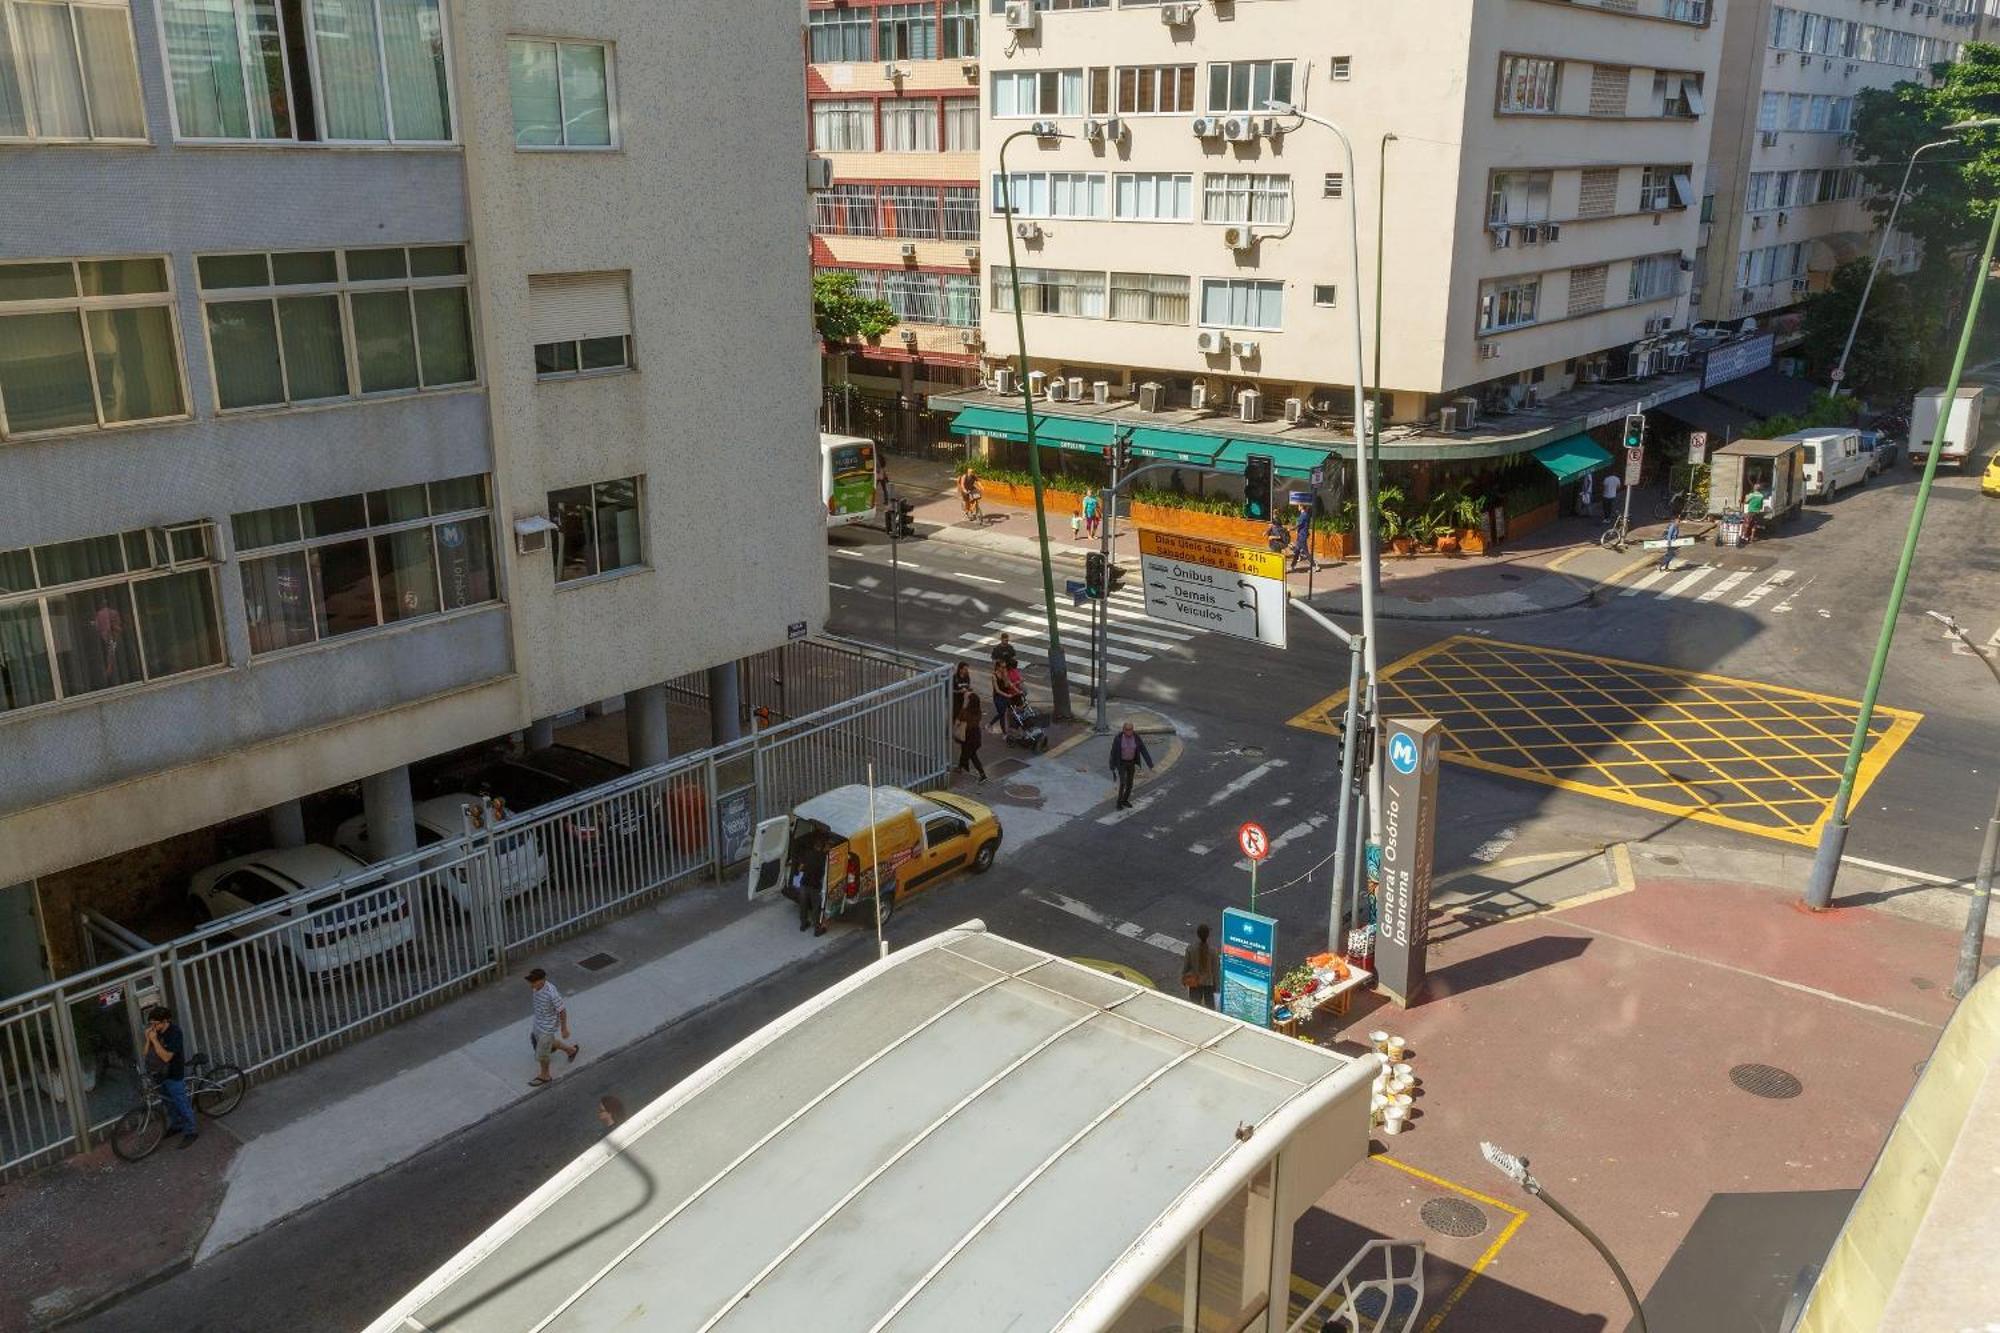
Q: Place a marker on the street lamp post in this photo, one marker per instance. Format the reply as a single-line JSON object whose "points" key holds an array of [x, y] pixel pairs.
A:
{"points": [[1058, 666], [1833, 833], [1882, 249], [1973, 942], [1516, 1170], [1364, 489], [1381, 230]]}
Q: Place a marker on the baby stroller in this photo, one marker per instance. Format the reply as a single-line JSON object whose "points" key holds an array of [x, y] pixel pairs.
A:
{"points": [[1021, 725]]}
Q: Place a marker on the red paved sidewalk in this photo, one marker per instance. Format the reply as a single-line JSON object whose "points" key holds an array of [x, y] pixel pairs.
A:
{"points": [[1598, 1042]]}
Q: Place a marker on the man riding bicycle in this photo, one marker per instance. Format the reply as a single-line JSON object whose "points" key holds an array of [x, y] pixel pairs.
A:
{"points": [[969, 494]]}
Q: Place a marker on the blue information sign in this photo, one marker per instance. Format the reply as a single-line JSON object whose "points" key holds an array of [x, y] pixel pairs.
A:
{"points": [[1249, 943]]}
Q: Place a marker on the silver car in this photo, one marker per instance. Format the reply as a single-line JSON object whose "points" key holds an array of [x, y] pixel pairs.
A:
{"points": [[327, 931], [517, 857]]}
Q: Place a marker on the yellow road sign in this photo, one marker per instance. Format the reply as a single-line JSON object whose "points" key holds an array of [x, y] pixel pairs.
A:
{"points": [[1213, 554]]}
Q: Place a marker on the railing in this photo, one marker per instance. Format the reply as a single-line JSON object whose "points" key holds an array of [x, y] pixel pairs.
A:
{"points": [[287, 981], [1366, 1295]]}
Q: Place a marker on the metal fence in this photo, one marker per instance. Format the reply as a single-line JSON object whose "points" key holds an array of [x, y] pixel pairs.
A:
{"points": [[286, 981]]}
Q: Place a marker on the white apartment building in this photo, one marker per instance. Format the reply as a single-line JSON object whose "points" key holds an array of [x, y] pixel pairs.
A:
{"points": [[1785, 203], [1537, 212]]}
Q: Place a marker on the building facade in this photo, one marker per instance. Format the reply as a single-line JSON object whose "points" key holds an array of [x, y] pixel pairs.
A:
{"points": [[363, 399], [1535, 206], [892, 100], [1785, 202]]}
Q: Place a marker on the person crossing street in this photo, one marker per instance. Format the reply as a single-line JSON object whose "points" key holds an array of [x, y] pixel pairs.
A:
{"points": [[1128, 751]]}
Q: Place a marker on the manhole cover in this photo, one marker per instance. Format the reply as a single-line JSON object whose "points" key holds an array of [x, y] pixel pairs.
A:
{"points": [[1022, 791], [1923, 983], [597, 962], [1766, 1081], [1667, 860], [1453, 1217]]}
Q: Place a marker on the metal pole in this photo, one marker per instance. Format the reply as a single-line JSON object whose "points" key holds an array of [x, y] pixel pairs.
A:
{"points": [[1253, 883], [1840, 367], [1833, 836], [1058, 668], [1973, 942], [1350, 729], [875, 855], [895, 585], [1358, 883], [1381, 230], [1516, 1169], [1107, 546]]}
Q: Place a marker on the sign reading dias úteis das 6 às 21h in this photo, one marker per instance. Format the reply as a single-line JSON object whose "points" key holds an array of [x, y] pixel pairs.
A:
{"points": [[1409, 826], [1236, 590]]}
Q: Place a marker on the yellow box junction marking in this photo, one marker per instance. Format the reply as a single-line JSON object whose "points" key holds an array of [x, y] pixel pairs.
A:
{"points": [[1740, 754], [1515, 1217], [1212, 555]]}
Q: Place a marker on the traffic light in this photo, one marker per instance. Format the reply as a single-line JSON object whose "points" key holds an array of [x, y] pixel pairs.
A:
{"points": [[1257, 488], [1635, 431], [1115, 578], [897, 519], [1093, 574]]}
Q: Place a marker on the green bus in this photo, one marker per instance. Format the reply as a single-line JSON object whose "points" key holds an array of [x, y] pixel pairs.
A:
{"points": [[847, 479]]}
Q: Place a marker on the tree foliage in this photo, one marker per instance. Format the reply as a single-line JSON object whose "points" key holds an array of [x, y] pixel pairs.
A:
{"points": [[1823, 410], [843, 315], [1888, 360]]}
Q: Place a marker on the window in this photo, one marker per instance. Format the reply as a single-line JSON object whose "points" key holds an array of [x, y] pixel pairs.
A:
{"points": [[1051, 291], [961, 300], [1326, 294], [1248, 85], [579, 323], [1796, 107], [1768, 109], [906, 31], [1784, 27], [843, 126], [325, 568], [338, 71], [961, 29], [910, 212], [1150, 298], [1528, 84], [1519, 197], [1655, 277], [304, 326], [837, 36], [1757, 192], [1153, 196], [917, 298], [1156, 90], [1242, 303], [1053, 194], [1238, 196], [1677, 95], [910, 127], [1024, 94], [86, 343], [846, 210], [598, 529], [961, 213], [961, 124], [81, 616], [1341, 68], [562, 93], [1508, 304], [68, 72], [1335, 185], [1656, 186]]}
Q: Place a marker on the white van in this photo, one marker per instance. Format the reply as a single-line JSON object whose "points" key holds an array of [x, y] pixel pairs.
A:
{"points": [[1835, 460]]}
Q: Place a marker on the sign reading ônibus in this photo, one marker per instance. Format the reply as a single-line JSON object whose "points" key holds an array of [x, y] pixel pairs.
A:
{"points": [[1409, 827]]}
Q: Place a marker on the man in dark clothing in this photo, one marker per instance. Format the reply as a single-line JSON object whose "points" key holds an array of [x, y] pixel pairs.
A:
{"points": [[1128, 749], [811, 880], [166, 1056]]}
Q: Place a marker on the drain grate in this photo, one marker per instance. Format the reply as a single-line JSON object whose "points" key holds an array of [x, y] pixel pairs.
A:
{"points": [[1766, 1081], [597, 962], [1452, 1217], [1923, 983], [1022, 791]]}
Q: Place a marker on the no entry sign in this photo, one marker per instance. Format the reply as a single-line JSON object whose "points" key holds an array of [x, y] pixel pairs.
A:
{"points": [[1256, 844]]}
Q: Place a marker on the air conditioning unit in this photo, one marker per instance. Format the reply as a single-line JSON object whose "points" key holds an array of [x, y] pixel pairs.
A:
{"points": [[1198, 397], [1114, 129], [1238, 238], [531, 534], [1588, 372], [1021, 16], [1100, 392], [1177, 16], [1769, 138], [1207, 127], [1756, 222], [819, 174], [1487, 351], [972, 254], [1003, 380], [892, 71], [1027, 231], [1658, 325], [1531, 234], [1211, 343], [1533, 397], [909, 249], [910, 337], [1271, 127], [1036, 379], [1550, 231], [1246, 349], [1046, 129], [1295, 411], [1239, 129], [1076, 388], [1093, 130], [1783, 218], [1058, 391], [1468, 407], [1448, 420], [1502, 237], [1687, 265], [1249, 405], [968, 337], [1152, 397]]}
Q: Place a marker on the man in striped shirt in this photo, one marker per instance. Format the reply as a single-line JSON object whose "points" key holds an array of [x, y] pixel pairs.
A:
{"points": [[551, 1026]]}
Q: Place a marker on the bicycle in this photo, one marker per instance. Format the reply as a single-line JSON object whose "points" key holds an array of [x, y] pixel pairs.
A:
{"points": [[214, 1093], [1615, 537]]}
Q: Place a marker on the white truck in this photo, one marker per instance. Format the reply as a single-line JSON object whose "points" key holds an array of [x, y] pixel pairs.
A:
{"points": [[1961, 432]]}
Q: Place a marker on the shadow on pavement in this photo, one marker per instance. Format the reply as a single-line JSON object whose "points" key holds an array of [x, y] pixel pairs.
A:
{"points": [[1503, 964], [1739, 1261]]}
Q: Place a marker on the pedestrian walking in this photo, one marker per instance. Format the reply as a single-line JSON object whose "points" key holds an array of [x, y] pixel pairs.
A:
{"points": [[1302, 545], [1128, 751], [1275, 536], [1008, 690], [550, 1028], [610, 1111], [966, 730], [1090, 503], [1586, 495], [808, 879], [1198, 963], [1612, 485], [961, 688], [1673, 535], [166, 1059]]}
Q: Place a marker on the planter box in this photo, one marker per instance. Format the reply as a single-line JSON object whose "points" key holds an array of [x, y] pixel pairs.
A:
{"points": [[1519, 525], [1167, 518]]}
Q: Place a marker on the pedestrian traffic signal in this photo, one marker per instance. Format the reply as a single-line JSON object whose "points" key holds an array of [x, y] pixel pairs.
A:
{"points": [[1093, 574], [1115, 578], [1635, 431], [897, 519], [1257, 488]]}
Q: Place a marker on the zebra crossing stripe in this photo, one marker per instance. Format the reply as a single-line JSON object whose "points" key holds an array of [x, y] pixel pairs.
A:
{"points": [[1654, 577], [977, 645], [1729, 581], [1113, 651], [1762, 590], [1081, 624], [1693, 577]]}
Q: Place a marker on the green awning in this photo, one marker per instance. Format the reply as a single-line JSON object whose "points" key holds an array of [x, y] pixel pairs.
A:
{"points": [[1570, 458], [1151, 442], [1068, 432]]}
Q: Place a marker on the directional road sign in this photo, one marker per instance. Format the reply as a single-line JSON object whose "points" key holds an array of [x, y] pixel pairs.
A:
{"points": [[1256, 843], [1236, 590]]}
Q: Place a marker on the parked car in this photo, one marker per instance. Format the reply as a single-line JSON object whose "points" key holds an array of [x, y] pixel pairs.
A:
{"points": [[536, 778], [444, 819], [1834, 460], [329, 930], [1884, 450], [1989, 481]]}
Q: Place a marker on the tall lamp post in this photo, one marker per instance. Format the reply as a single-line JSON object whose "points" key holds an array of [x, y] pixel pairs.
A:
{"points": [[1882, 248], [1381, 230], [1058, 666], [1364, 488], [1973, 942], [1833, 833]]}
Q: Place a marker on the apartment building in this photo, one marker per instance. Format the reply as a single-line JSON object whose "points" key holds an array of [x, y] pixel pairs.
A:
{"points": [[371, 384], [1536, 207], [1784, 204], [892, 96]]}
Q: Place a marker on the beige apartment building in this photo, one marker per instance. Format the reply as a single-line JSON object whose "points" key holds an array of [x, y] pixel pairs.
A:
{"points": [[1538, 211], [1785, 203]]}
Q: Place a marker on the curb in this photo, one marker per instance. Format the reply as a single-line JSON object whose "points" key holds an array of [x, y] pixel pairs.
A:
{"points": [[1584, 594]]}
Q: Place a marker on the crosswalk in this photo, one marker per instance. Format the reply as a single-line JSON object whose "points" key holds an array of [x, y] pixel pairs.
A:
{"points": [[1131, 637], [1740, 589]]}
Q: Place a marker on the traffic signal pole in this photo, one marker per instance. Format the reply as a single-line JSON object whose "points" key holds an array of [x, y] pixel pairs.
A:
{"points": [[1107, 546]]}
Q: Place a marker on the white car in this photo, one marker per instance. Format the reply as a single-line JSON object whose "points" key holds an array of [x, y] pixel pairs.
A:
{"points": [[518, 856], [329, 931]]}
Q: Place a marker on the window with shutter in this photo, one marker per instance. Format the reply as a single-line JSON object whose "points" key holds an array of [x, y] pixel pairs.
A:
{"points": [[580, 323]]}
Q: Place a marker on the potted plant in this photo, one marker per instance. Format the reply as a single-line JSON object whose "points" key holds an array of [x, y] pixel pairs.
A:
{"points": [[1391, 525]]}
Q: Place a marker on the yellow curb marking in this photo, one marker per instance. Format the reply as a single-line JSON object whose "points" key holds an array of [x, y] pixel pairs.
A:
{"points": [[1516, 1216]]}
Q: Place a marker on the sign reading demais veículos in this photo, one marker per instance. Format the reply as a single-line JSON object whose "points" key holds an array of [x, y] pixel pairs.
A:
{"points": [[1409, 828], [1231, 589]]}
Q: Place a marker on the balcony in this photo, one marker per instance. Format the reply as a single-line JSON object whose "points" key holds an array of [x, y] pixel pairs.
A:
{"points": [[1694, 13]]}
